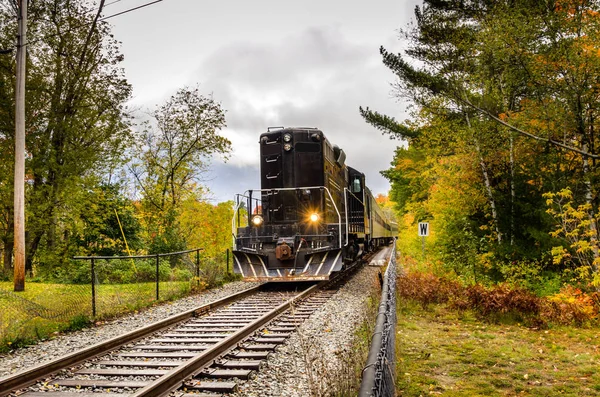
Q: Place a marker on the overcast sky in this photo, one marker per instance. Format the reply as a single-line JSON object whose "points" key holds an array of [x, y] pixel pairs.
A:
{"points": [[270, 63]]}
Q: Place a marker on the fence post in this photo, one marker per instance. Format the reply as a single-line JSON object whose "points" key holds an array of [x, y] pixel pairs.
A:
{"points": [[93, 289], [198, 267], [157, 275], [227, 261]]}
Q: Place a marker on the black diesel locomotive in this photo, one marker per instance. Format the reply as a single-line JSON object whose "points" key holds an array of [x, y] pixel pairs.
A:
{"points": [[312, 214]]}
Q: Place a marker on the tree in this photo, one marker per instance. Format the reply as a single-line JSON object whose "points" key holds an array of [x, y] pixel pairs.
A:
{"points": [[77, 125], [109, 224], [516, 81], [207, 226], [174, 151]]}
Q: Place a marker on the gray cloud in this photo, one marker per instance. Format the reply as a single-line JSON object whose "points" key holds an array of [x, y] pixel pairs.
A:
{"points": [[316, 78]]}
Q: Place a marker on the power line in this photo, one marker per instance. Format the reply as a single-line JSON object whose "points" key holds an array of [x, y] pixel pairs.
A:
{"points": [[131, 9], [9, 50], [112, 2]]}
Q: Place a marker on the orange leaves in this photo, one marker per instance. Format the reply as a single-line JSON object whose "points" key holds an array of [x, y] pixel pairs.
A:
{"points": [[381, 199], [570, 306]]}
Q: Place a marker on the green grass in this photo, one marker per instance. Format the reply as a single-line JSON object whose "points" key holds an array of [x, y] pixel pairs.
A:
{"points": [[44, 309], [443, 352]]}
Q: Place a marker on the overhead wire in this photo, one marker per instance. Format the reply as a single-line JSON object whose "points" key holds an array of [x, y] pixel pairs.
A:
{"points": [[129, 10], [6, 51], [112, 2]]}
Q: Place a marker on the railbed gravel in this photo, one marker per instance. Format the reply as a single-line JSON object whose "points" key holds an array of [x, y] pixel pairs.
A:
{"points": [[27, 357], [324, 338]]}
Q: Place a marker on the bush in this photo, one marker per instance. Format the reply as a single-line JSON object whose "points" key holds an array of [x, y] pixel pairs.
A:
{"points": [[212, 272], [426, 288], [181, 274], [532, 275], [501, 302], [572, 306]]}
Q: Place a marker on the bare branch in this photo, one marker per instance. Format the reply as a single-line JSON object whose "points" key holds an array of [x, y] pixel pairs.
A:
{"points": [[528, 134]]}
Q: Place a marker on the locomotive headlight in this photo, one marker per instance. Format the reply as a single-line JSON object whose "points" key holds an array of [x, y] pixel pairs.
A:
{"points": [[287, 137], [257, 220], [314, 217], [287, 147]]}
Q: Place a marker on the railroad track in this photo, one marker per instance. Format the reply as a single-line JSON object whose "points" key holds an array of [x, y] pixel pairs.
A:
{"points": [[199, 351]]}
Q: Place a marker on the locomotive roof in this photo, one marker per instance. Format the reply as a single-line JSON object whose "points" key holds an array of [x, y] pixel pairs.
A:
{"points": [[270, 130]]}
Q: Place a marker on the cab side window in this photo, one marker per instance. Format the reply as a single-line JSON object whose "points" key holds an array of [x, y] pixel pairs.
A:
{"points": [[356, 185]]}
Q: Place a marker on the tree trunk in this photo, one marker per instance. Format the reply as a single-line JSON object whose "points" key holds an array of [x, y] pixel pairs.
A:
{"points": [[488, 185], [8, 241], [32, 247], [488, 189], [589, 199], [7, 254], [512, 190]]}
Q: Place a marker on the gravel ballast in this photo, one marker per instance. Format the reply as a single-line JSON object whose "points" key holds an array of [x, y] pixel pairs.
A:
{"points": [[324, 340], [297, 368], [24, 358]]}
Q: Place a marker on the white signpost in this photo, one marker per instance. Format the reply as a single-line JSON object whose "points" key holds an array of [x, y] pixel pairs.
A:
{"points": [[423, 232]]}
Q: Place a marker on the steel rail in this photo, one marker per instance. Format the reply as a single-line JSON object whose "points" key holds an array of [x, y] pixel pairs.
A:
{"points": [[32, 375], [176, 377]]}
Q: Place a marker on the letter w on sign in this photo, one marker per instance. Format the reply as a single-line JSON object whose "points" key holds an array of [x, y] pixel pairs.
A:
{"points": [[424, 229]]}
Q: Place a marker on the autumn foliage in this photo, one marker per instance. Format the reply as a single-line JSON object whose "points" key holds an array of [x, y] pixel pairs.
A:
{"points": [[569, 307], [499, 151]]}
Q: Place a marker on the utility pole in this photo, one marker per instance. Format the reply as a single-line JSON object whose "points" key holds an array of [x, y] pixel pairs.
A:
{"points": [[19, 182]]}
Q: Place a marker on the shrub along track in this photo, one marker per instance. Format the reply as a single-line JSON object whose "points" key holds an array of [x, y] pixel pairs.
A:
{"points": [[199, 350]]}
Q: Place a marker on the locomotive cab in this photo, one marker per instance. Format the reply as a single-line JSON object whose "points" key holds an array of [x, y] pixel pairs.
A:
{"points": [[292, 228], [311, 215]]}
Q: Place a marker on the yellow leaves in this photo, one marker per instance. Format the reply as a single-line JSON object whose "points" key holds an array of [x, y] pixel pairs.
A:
{"points": [[576, 224], [538, 124], [582, 246], [596, 280]]}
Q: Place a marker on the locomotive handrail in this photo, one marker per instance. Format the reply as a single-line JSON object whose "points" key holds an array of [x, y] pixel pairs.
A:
{"points": [[299, 235], [235, 211], [357, 199], [346, 190], [346, 212], [237, 207]]}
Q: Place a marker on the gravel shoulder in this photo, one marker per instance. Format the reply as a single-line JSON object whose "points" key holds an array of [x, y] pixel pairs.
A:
{"points": [[312, 359], [21, 359]]}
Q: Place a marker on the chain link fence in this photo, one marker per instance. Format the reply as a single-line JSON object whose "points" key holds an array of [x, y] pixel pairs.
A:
{"points": [[127, 283], [101, 287], [379, 374]]}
